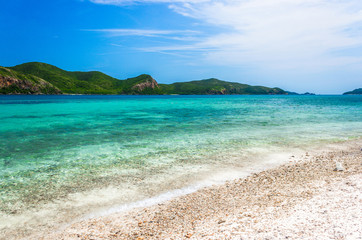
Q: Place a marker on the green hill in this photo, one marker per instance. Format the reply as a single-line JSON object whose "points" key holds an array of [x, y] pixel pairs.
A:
{"points": [[357, 91], [214, 86], [12, 82], [86, 82], [94, 82]]}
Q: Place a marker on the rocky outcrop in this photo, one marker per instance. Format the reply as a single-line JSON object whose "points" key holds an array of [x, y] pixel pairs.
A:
{"points": [[149, 83], [222, 91], [13, 85]]}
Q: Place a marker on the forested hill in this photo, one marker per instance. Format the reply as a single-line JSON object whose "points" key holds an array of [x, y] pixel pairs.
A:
{"points": [[42, 78], [216, 86], [357, 91]]}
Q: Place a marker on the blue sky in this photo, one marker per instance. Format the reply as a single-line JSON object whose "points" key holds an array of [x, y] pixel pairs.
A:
{"points": [[298, 45]]}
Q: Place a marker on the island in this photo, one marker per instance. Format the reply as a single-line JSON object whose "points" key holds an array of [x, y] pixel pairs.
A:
{"points": [[357, 91], [42, 78]]}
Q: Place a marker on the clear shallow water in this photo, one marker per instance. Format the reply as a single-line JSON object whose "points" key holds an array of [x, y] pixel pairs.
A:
{"points": [[51, 146]]}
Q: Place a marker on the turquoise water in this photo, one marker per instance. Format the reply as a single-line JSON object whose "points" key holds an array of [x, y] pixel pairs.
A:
{"points": [[51, 146]]}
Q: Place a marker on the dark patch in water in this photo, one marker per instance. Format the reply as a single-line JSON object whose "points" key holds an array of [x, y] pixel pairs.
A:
{"points": [[21, 117]]}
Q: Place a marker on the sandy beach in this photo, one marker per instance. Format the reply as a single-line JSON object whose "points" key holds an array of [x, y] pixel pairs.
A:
{"points": [[304, 198]]}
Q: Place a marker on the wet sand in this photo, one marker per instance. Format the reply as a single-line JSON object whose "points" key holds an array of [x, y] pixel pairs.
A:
{"points": [[304, 198]]}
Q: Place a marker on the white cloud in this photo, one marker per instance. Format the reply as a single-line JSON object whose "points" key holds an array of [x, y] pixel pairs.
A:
{"points": [[142, 32], [127, 2], [274, 33], [279, 32]]}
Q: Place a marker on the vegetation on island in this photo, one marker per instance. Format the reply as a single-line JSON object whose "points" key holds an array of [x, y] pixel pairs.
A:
{"points": [[14, 82], [58, 81], [357, 91], [93, 82], [214, 86]]}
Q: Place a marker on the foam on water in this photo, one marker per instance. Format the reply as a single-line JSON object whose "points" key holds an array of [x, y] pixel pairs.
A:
{"points": [[213, 177]]}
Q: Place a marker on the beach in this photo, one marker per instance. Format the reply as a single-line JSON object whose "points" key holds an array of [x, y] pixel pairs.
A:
{"points": [[304, 198], [71, 161]]}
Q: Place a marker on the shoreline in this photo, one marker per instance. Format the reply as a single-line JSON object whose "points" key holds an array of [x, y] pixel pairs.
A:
{"points": [[189, 216], [61, 213]]}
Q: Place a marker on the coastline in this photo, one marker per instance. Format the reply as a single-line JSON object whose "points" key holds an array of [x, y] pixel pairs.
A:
{"points": [[261, 205]]}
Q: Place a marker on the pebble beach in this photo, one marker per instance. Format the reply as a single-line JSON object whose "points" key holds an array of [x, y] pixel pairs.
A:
{"points": [[306, 198]]}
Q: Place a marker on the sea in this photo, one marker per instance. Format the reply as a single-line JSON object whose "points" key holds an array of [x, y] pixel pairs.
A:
{"points": [[124, 149]]}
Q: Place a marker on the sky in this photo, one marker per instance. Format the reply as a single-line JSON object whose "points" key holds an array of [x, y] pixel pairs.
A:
{"points": [[297, 45]]}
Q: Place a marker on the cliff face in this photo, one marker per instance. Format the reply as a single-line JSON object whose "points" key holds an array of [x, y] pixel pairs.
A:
{"points": [[13, 83], [222, 91], [149, 83]]}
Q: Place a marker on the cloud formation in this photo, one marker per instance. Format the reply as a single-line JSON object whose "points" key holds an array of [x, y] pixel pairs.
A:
{"points": [[278, 33], [142, 32], [127, 2]]}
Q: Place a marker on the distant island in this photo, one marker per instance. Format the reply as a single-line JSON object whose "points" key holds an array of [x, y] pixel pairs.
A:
{"points": [[42, 78], [357, 91]]}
